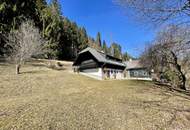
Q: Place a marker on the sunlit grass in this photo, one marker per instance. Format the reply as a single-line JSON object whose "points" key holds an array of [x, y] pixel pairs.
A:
{"points": [[44, 99]]}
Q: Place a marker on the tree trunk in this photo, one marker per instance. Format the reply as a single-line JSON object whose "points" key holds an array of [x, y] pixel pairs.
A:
{"points": [[17, 68], [43, 31], [181, 76], [183, 86]]}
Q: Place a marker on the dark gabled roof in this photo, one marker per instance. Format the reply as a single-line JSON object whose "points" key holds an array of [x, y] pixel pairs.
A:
{"points": [[134, 64], [101, 57]]}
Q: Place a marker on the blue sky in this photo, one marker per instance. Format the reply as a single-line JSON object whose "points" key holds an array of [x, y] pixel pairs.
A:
{"points": [[104, 16]]}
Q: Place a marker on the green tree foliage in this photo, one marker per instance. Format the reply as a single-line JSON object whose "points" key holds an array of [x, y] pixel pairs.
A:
{"points": [[83, 38], [127, 57], [116, 50], [104, 47], [51, 16], [13, 13], [64, 37], [98, 39]]}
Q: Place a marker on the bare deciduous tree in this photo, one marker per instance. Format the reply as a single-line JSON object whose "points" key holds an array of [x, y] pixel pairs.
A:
{"points": [[172, 44], [25, 43], [158, 11], [170, 49]]}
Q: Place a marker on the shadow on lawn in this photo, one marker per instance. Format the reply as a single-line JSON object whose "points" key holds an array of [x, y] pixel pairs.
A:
{"points": [[161, 105], [33, 72], [175, 91], [4, 64], [38, 65], [53, 66]]}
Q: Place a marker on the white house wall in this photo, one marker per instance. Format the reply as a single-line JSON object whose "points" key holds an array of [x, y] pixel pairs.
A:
{"points": [[119, 75], [97, 75], [114, 74]]}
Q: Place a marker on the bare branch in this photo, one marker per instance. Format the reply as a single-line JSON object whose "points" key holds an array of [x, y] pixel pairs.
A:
{"points": [[168, 52], [157, 11], [25, 43]]}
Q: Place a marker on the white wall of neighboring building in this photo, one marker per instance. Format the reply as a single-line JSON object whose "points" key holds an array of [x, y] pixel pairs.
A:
{"points": [[146, 79], [128, 77]]}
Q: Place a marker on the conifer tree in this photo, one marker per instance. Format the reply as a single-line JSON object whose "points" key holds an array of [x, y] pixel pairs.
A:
{"points": [[64, 38], [104, 47], [98, 40], [116, 50]]}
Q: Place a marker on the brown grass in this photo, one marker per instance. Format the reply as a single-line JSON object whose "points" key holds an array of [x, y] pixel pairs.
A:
{"points": [[46, 99]]}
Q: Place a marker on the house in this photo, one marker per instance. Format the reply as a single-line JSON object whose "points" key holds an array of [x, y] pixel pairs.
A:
{"points": [[99, 65], [135, 70]]}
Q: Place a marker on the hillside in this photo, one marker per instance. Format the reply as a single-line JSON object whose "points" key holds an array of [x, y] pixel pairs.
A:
{"points": [[46, 99]]}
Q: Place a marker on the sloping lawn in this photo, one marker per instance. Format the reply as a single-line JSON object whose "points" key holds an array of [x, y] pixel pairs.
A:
{"points": [[45, 99]]}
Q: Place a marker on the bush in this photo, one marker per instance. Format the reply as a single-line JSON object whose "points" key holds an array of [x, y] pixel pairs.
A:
{"points": [[171, 77]]}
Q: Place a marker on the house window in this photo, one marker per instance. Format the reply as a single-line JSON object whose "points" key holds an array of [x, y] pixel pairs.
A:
{"points": [[132, 74], [135, 73]]}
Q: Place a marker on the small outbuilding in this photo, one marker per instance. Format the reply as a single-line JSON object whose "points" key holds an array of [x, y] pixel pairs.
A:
{"points": [[135, 70]]}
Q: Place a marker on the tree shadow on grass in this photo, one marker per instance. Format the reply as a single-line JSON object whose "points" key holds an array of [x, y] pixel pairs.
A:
{"points": [[33, 72], [41, 71], [5, 64], [38, 65], [174, 91], [174, 110], [53, 67], [161, 105]]}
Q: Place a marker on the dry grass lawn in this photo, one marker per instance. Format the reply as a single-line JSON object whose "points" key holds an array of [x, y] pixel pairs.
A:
{"points": [[45, 99]]}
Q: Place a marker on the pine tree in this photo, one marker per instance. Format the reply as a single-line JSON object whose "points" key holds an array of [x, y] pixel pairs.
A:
{"points": [[51, 29], [98, 40], [126, 57], [116, 50], [83, 38], [104, 47], [65, 38]]}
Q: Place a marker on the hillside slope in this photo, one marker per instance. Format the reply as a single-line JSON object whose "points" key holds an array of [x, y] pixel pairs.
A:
{"points": [[44, 99]]}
